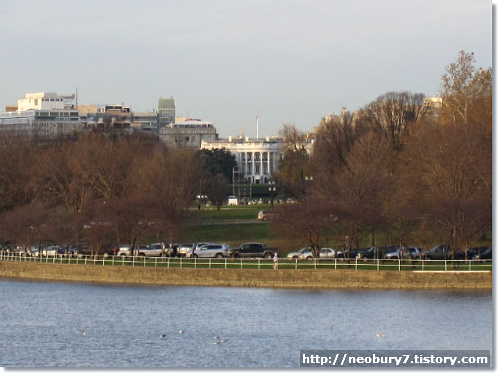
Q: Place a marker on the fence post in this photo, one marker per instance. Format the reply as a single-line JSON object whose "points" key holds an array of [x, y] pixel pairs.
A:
{"points": [[258, 263], [296, 262]]}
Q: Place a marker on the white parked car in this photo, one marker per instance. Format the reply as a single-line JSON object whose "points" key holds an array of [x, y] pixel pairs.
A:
{"points": [[123, 251], [298, 254], [50, 251], [184, 248], [209, 251], [324, 253], [152, 250], [306, 254]]}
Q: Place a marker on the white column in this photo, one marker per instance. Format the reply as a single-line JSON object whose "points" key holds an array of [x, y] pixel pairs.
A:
{"points": [[275, 156], [261, 166], [253, 166], [269, 163], [243, 163], [246, 164]]}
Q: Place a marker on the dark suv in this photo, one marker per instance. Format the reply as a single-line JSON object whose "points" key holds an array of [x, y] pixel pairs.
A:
{"points": [[253, 250], [442, 252]]}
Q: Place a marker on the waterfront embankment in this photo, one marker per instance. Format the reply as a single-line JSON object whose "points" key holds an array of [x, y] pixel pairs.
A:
{"points": [[287, 278]]}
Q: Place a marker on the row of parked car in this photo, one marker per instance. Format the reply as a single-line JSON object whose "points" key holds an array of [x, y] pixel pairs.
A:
{"points": [[256, 250], [188, 250], [154, 249], [214, 250], [439, 252]]}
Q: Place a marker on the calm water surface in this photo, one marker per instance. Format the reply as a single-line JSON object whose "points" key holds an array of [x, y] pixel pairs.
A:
{"points": [[41, 323]]}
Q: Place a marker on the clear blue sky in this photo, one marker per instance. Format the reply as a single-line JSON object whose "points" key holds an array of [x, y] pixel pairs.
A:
{"points": [[286, 61]]}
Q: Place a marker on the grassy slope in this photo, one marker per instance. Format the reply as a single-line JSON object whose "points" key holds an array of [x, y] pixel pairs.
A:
{"points": [[235, 225]]}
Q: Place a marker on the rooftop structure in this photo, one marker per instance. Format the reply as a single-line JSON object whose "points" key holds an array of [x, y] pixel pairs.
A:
{"points": [[117, 116], [45, 100]]}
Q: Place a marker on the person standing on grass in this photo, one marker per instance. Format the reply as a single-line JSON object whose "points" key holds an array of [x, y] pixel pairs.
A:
{"points": [[275, 261]]}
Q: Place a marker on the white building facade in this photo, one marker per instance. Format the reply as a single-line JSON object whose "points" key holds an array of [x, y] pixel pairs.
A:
{"points": [[41, 122], [44, 114], [45, 100], [257, 158]]}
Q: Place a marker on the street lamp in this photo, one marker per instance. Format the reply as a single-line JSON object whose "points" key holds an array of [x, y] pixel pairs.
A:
{"points": [[272, 190], [307, 186], [201, 199]]}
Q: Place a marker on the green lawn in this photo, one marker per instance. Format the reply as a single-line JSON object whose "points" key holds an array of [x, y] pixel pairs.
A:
{"points": [[233, 225], [231, 234], [231, 213]]}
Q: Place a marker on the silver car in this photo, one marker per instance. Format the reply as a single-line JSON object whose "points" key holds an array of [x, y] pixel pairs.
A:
{"points": [[306, 253], [210, 251], [414, 252], [123, 250], [298, 254], [184, 248], [324, 253]]}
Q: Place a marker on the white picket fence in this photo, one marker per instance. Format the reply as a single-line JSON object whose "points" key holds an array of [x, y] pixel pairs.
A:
{"points": [[241, 263]]}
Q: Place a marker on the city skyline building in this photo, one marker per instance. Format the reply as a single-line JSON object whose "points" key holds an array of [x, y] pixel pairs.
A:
{"points": [[189, 133], [42, 113], [166, 111], [46, 100]]}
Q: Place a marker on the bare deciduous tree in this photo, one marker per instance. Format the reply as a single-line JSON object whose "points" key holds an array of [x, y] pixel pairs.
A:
{"points": [[307, 223], [396, 113]]}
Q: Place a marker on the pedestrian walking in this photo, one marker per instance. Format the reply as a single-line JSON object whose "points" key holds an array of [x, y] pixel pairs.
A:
{"points": [[275, 261]]}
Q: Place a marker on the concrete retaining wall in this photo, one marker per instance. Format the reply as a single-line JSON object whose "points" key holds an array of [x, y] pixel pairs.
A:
{"points": [[330, 279]]}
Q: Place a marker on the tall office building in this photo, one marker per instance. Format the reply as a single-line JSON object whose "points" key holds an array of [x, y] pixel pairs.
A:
{"points": [[166, 112]]}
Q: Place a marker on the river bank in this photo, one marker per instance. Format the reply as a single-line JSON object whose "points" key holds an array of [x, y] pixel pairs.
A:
{"points": [[287, 278]]}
